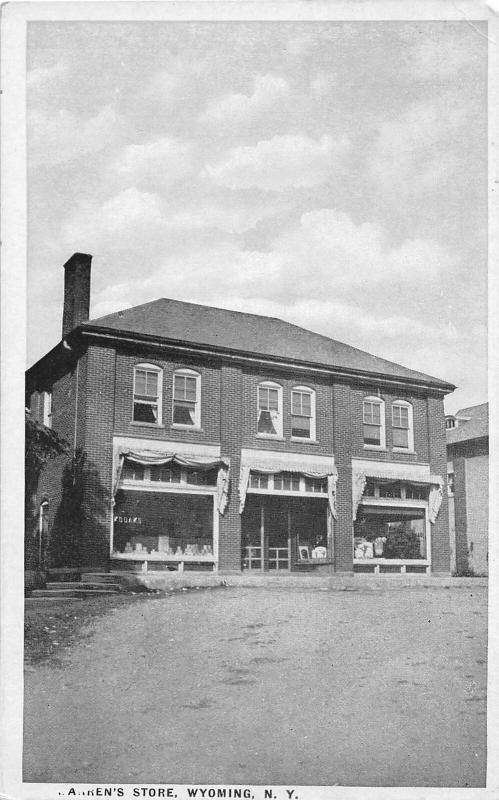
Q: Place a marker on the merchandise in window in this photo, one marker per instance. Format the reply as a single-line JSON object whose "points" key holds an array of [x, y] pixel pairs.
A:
{"points": [[146, 395], [268, 410], [185, 399]]}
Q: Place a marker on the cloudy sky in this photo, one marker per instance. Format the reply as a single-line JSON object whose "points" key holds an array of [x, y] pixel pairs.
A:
{"points": [[331, 174]]}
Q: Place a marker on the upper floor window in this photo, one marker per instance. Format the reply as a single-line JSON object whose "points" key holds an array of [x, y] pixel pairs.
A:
{"points": [[450, 422], [147, 387], [46, 401], [403, 435], [270, 409], [303, 413], [374, 422], [187, 398]]}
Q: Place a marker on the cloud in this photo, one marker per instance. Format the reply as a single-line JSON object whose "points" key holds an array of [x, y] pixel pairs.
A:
{"points": [[165, 160], [279, 163], [441, 59], [416, 153], [235, 218], [39, 76], [130, 213], [322, 84], [58, 137], [239, 108]]}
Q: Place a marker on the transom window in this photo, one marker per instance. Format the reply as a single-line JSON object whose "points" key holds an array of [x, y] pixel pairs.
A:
{"points": [[374, 422], [147, 387], [287, 481], [168, 473], [316, 485], [303, 413], [187, 398], [402, 425], [258, 480], [269, 409]]}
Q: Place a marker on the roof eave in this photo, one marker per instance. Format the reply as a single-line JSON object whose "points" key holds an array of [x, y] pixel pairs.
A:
{"points": [[441, 387]]}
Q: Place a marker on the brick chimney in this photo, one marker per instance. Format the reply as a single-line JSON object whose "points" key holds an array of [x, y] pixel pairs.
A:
{"points": [[76, 291]]}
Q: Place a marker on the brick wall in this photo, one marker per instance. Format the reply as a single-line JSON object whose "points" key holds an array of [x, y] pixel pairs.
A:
{"points": [[440, 545], [210, 393], [99, 424], [342, 432], [324, 437], [420, 422], [231, 424], [471, 477]]}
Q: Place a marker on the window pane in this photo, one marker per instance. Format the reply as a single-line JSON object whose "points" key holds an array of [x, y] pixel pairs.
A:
{"points": [[170, 474], [184, 413], [372, 435], [133, 472], [315, 485], [300, 427], [190, 389], [140, 382], [400, 437], [390, 490], [145, 412], [259, 480], [268, 399]]}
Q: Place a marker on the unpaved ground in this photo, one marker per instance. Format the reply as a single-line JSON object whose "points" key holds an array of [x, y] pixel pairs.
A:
{"points": [[269, 686]]}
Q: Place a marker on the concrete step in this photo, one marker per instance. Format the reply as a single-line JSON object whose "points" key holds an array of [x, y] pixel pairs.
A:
{"points": [[59, 593], [104, 587]]}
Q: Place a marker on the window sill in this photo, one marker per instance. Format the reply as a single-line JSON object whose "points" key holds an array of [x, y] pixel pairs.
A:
{"points": [[375, 447], [271, 437], [303, 441], [403, 450], [147, 424], [176, 426]]}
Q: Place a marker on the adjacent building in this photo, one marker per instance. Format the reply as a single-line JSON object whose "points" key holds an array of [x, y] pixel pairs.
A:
{"points": [[212, 439], [468, 481]]}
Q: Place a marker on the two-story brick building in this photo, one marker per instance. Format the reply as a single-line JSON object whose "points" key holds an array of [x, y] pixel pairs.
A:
{"points": [[221, 440]]}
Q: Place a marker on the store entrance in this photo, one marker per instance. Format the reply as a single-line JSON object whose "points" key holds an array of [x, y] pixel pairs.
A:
{"points": [[278, 531]]}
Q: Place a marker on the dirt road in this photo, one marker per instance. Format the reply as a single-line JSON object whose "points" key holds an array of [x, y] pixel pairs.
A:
{"points": [[381, 687]]}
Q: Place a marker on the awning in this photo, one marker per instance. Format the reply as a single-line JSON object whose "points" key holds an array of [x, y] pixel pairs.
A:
{"points": [[269, 461], [192, 460], [415, 474]]}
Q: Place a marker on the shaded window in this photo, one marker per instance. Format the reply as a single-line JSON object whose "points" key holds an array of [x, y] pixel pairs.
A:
{"points": [[132, 471], [259, 480], [207, 477], [147, 394], [390, 490], [318, 485], [270, 409], [186, 398], [373, 422], [303, 413], [287, 481], [165, 473]]}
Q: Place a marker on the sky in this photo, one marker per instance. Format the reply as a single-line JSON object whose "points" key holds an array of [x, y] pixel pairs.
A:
{"points": [[332, 174]]}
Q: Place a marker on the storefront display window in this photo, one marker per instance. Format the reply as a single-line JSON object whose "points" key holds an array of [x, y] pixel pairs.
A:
{"points": [[390, 533], [163, 524]]}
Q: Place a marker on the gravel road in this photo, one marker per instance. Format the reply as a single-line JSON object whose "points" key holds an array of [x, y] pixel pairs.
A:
{"points": [[374, 687]]}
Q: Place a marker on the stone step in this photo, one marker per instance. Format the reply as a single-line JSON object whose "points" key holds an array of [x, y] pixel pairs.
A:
{"points": [[59, 593], [99, 577], [103, 587]]}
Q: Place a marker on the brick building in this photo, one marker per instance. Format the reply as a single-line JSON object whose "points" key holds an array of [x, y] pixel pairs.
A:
{"points": [[467, 434], [214, 439]]}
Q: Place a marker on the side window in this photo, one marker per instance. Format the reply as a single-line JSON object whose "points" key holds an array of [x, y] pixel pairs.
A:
{"points": [[187, 398], [373, 411], [147, 390], [46, 403], [402, 426], [269, 411], [303, 413]]}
